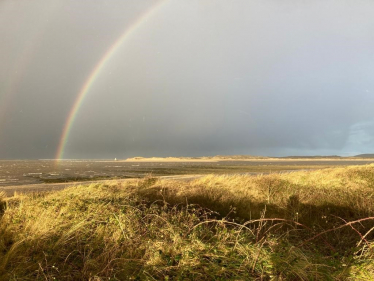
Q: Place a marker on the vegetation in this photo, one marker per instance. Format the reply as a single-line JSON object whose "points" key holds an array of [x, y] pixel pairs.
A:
{"points": [[315, 225]]}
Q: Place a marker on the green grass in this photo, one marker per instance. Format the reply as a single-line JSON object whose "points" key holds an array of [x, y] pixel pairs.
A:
{"points": [[291, 226]]}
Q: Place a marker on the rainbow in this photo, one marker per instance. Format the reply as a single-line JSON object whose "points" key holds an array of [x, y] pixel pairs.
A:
{"points": [[95, 73]]}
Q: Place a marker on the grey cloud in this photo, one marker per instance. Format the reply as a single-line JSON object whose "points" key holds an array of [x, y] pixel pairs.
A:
{"points": [[198, 78]]}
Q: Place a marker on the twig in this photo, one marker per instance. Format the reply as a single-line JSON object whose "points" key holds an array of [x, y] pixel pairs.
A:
{"points": [[358, 232], [258, 254], [336, 228], [288, 221], [363, 237]]}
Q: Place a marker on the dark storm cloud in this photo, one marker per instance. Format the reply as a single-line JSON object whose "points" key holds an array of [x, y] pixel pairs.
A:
{"points": [[198, 78]]}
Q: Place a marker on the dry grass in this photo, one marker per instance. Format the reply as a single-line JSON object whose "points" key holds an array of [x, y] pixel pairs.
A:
{"points": [[291, 226]]}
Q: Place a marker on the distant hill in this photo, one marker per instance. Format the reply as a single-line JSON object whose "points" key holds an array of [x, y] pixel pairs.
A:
{"points": [[202, 158], [365, 156], [246, 157], [238, 157], [312, 157]]}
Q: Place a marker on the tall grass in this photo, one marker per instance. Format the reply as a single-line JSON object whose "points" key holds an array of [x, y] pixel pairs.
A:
{"points": [[297, 226]]}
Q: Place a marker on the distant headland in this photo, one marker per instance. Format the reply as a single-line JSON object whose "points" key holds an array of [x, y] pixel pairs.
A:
{"points": [[245, 158], [192, 159]]}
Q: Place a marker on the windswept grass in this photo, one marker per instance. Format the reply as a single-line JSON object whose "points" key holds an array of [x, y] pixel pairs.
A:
{"points": [[298, 226]]}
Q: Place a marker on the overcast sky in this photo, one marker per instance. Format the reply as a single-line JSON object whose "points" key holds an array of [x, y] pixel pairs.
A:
{"points": [[194, 78]]}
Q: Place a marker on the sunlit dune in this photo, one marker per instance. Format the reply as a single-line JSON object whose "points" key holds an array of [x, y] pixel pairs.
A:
{"points": [[314, 225]]}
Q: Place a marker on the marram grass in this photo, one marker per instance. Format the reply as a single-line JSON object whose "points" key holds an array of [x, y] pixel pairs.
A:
{"points": [[298, 226]]}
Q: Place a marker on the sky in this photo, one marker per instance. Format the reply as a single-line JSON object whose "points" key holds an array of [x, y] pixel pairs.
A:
{"points": [[124, 78]]}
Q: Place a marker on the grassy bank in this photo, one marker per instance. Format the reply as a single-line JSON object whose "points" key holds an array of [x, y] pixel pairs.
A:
{"points": [[299, 226]]}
